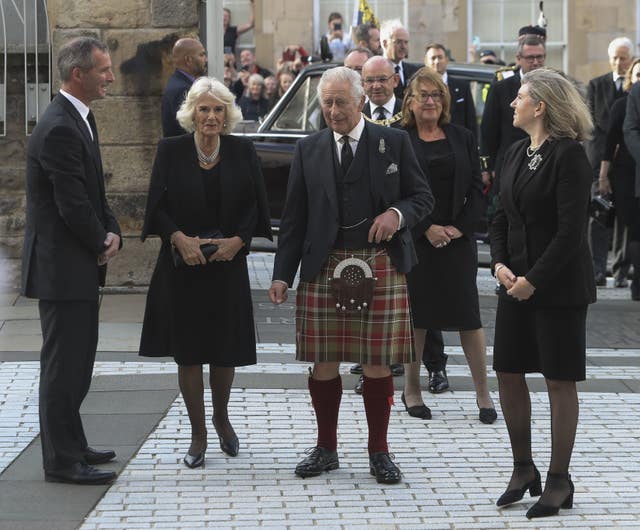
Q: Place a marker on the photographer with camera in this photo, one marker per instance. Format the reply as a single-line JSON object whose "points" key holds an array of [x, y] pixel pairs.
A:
{"points": [[335, 44]]}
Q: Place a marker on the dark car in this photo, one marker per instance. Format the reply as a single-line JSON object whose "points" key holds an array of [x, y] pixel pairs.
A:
{"points": [[298, 114]]}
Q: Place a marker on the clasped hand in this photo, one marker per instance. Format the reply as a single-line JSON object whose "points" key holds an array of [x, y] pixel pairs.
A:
{"points": [[189, 248], [111, 247], [440, 236], [517, 286]]}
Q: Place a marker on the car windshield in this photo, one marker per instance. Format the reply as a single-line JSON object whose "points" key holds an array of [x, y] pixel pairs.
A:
{"points": [[302, 112]]}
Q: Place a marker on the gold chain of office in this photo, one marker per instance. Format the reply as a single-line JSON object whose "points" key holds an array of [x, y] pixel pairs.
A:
{"points": [[387, 121]]}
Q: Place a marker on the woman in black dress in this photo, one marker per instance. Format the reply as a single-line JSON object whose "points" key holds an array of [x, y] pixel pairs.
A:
{"points": [[618, 174], [442, 287], [206, 188], [540, 256]]}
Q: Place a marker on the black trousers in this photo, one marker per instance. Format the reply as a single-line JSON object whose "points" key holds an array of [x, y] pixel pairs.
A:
{"points": [[433, 356], [70, 339]]}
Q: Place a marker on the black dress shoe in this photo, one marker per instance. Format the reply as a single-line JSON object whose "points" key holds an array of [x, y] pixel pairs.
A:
{"points": [[601, 279], [540, 509], [417, 411], [358, 388], [193, 461], [230, 445], [397, 369], [385, 471], [438, 382], [318, 461], [94, 457], [356, 369], [80, 473], [515, 494]]}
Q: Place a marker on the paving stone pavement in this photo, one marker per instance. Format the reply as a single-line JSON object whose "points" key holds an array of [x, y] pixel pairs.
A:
{"points": [[454, 467]]}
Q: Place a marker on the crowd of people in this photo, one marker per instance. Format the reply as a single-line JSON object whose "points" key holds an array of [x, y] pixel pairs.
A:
{"points": [[382, 236]]}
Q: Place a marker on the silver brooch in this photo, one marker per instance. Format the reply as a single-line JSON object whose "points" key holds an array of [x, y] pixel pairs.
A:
{"points": [[535, 162], [381, 147]]}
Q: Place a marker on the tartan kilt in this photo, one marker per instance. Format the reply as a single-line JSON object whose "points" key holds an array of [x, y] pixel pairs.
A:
{"points": [[382, 336]]}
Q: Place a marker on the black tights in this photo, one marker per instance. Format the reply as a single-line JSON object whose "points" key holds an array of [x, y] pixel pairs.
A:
{"points": [[516, 408], [192, 389]]}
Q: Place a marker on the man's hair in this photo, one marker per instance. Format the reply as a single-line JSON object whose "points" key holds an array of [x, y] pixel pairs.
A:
{"points": [[437, 46], [360, 49], [529, 40], [362, 32], [346, 75], [389, 27], [618, 42], [78, 53], [334, 16]]}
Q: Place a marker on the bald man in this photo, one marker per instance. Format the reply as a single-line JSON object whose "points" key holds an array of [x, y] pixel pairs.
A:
{"points": [[190, 59]]}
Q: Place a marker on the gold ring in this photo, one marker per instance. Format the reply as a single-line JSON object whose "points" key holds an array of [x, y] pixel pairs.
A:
{"points": [[389, 238]]}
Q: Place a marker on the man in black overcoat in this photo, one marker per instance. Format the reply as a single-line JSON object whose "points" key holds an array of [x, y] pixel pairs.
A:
{"points": [[395, 43], [190, 59], [71, 234]]}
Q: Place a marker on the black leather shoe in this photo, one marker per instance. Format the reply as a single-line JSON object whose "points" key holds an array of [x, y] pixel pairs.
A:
{"points": [[397, 369], [318, 461], [80, 473], [438, 382], [231, 445], [356, 369], [514, 495], [417, 411], [620, 282], [94, 457], [193, 461], [601, 279], [544, 510], [385, 471], [358, 388]]}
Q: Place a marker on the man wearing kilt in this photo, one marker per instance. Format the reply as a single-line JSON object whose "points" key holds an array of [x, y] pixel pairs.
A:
{"points": [[355, 190]]}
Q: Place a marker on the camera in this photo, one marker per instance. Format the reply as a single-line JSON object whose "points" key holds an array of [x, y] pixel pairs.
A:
{"points": [[601, 209]]}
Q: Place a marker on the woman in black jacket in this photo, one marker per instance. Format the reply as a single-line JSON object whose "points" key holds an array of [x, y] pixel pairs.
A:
{"points": [[541, 258], [206, 201]]}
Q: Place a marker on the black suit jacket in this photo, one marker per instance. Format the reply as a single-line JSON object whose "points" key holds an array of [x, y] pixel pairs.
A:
{"points": [[309, 223], [67, 216], [468, 203], [172, 97], [408, 69], [463, 110], [601, 93], [498, 132], [631, 130], [540, 227]]}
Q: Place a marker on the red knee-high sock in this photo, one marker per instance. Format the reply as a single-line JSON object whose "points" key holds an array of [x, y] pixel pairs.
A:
{"points": [[325, 397], [378, 396]]}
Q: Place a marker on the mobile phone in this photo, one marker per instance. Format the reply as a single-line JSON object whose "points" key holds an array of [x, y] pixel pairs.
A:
{"points": [[227, 49], [337, 26]]}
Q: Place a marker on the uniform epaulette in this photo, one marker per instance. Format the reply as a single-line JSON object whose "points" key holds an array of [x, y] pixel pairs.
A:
{"points": [[506, 72]]}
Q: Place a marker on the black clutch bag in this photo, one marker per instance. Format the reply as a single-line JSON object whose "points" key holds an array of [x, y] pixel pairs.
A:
{"points": [[207, 249], [602, 210]]}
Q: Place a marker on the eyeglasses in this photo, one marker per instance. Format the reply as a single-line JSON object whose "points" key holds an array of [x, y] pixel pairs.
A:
{"points": [[400, 41], [532, 58], [424, 96], [378, 79]]}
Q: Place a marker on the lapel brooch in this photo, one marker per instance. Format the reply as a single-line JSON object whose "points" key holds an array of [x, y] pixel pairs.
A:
{"points": [[382, 148]]}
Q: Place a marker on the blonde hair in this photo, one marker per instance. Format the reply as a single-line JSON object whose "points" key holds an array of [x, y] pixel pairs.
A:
{"points": [[566, 113], [425, 75], [628, 82], [212, 87]]}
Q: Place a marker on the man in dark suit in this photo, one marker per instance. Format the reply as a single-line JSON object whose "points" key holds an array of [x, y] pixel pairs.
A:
{"points": [[190, 59], [70, 236], [395, 43], [601, 93], [632, 140], [463, 110], [354, 213]]}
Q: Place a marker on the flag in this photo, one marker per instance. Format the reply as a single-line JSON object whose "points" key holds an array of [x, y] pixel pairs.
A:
{"points": [[363, 13]]}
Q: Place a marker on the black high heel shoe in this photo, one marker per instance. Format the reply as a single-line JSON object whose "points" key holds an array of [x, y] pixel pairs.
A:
{"points": [[417, 411], [193, 461], [486, 415], [230, 446], [544, 510], [514, 495]]}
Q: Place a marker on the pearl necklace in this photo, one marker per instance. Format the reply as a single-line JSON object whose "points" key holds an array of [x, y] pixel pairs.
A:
{"points": [[533, 150], [207, 160]]}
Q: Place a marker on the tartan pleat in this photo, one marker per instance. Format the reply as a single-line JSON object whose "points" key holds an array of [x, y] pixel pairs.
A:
{"points": [[384, 335]]}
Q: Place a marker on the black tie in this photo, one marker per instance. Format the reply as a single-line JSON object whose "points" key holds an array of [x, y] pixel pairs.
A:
{"points": [[381, 114], [619, 86], [346, 155], [92, 123]]}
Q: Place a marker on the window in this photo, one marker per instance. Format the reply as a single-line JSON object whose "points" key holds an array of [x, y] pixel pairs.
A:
{"points": [[302, 112], [494, 24]]}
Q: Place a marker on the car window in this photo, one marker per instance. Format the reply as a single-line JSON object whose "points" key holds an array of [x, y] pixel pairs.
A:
{"points": [[302, 112]]}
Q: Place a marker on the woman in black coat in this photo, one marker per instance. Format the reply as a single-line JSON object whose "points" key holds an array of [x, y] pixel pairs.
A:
{"points": [[206, 189], [618, 176], [541, 258], [442, 286]]}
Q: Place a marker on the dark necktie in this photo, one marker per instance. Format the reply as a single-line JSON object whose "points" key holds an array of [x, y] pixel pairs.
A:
{"points": [[346, 155], [380, 112], [619, 86], [92, 123]]}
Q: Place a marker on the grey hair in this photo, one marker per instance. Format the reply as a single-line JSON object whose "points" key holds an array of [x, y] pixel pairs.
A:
{"points": [[530, 40], [256, 78], [342, 74], [566, 113], [212, 87], [389, 27], [618, 42], [78, 53]]}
